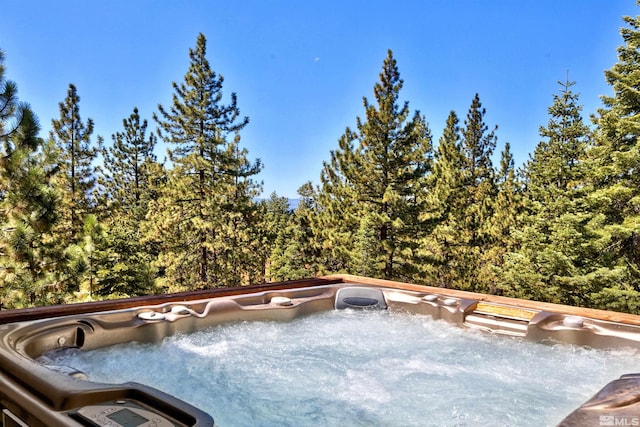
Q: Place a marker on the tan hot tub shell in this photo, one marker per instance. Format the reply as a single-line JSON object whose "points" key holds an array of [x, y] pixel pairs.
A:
{"points": [[33, 394]]}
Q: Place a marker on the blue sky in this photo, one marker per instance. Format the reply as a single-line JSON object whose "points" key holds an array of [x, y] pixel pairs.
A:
{"points": [[301, 68]]}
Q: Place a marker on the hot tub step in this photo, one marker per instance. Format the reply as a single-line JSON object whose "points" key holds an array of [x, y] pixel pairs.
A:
{"points": [[500, 325]]}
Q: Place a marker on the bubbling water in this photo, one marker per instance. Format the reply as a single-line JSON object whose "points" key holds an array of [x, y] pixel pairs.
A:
{"points": [[361, 368]]}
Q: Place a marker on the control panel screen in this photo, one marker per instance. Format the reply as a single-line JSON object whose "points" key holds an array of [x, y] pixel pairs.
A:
{"points": [[127, 418]]}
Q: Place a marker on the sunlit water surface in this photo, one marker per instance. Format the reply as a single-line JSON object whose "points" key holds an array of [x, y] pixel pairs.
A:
{"points": [[350, 368]]}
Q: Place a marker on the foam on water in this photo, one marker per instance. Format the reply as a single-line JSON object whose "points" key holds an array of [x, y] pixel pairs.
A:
{"points": [[346, 368]]}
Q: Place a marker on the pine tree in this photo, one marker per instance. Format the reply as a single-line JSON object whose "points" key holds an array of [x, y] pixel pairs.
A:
{"points": [[365, 262], [507, 204], [77, 174], [337, 210], [123, 262], [297, 252], [480, 191], [379, 173], [477, 147], [28, 204], [126, 163], [241, 262], [276, 232], [204, 205], [549, 260], [614, 195], [503, 222], [444, 209], [18, 124], [556, 164]]}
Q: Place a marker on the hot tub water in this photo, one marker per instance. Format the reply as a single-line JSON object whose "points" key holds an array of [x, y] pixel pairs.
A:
{"points": [[372, 368]]}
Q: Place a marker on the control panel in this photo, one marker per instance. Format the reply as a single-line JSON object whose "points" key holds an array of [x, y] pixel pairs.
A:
{"points": [[121, 413]]}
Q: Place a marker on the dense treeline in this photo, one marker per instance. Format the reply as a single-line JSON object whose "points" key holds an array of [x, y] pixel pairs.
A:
{"points": [[391, 203]]}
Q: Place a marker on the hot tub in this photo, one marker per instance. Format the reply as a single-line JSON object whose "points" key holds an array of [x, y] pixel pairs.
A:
{"points": [[34, 391]]}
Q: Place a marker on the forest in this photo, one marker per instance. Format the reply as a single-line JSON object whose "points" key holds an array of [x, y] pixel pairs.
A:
{"points": [[81, 219]]}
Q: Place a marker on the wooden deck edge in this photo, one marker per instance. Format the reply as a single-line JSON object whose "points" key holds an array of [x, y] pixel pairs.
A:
{"points": [[25, 314]]}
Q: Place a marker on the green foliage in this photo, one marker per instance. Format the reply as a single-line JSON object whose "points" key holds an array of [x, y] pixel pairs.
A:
{"points": [[478, 173], [613, 193], [277, 234], [125, 182], [365, 262], [124, 267], [18, 125], [444, 208], [28, 205], [462, 205], [378, 176], [297, 252], [507, 207], [565, 229], [76, 177], [201, 219], [552, 239]]}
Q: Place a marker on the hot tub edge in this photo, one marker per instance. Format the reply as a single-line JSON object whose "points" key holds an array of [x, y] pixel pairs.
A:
{"points": [[27, 395]]}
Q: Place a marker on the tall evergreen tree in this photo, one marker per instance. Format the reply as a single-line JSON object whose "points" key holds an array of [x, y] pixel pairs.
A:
{"points": [[122, 262], [549, 260], [241, 262], [507, 204], [210, 185], [478, 146], [444, 208], [298, 251], [28, 204], [504, 220], [379, 173], [613, 165], [336, 211], [556, 163], [77, 175], [480, 191], [18, 124], [126, 163], [276, 232]]}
